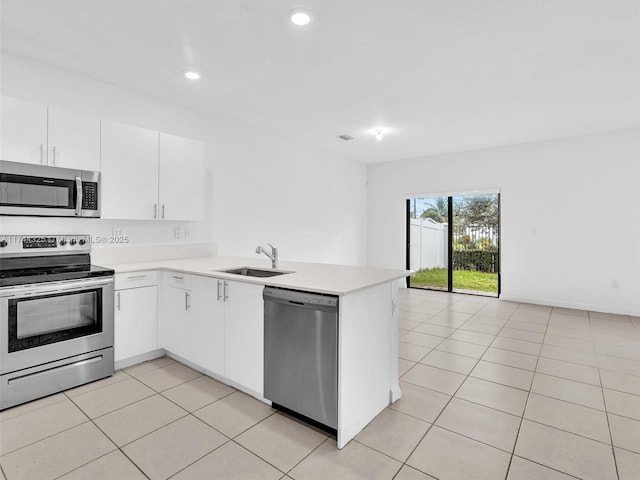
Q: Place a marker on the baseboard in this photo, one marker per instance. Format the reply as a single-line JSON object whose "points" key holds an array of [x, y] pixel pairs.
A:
{"points": [[145, 357], [551, 302], [218, 377]]}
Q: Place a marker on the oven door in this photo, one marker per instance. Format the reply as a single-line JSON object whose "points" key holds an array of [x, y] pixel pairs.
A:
{"points": [[46, 322]]}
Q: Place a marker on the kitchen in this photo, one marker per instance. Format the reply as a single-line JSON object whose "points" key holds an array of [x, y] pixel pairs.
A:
{"points": [[305, 194]]}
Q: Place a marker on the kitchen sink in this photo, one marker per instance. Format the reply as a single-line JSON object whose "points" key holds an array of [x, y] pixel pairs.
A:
{"points": [[254, 272]]}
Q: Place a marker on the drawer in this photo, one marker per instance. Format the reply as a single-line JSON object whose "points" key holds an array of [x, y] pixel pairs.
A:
{"points": [[177, 279], [144, 278]]}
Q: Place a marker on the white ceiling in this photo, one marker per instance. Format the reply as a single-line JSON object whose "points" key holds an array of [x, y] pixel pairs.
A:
{"points": [[441, 75]]}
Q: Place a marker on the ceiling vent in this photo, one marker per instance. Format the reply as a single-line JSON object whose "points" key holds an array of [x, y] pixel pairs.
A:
{"points": [[345, 137]]}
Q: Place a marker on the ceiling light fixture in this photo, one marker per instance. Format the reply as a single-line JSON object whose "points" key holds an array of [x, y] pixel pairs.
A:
{"points": [[379, 133], [192, 75], [301, 18]]}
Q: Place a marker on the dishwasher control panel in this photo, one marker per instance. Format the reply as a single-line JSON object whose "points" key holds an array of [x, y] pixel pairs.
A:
{"points": [[297, 297]]}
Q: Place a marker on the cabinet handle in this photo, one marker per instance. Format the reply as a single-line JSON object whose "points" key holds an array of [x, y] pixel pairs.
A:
{"points": [[137, 277], [226, 292], [118, 300], [155, 210], [177, 277], [187, 300], [219, 295], [41, 153], [53, 156], [163, 211]]}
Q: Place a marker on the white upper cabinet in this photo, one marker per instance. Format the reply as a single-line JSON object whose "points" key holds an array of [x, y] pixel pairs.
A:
{"points": [[129, 172], [74, 140], [149, 175], [23, 131], [32, 133], [181, 178], [146, 175]]}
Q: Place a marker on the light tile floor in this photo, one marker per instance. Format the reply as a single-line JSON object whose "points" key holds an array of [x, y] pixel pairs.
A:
{"points": [[491, 390]]}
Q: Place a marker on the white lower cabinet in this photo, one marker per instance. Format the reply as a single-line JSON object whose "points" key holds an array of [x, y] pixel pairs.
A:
{"points": [[216, 324], [192, 320], [244, 335], [136, 321]]}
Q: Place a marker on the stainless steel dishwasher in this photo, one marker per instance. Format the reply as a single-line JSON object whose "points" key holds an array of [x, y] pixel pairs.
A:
{"points": [[301, 354]]}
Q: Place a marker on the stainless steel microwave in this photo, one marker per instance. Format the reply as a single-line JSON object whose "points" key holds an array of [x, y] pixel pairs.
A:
{"points": [[44, 191]]}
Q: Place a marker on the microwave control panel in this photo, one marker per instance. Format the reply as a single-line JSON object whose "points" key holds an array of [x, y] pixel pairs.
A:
{"points": [[89, 196]]}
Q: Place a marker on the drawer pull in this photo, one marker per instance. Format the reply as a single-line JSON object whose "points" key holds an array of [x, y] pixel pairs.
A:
{"points": [[177, 277], [137, 277]]}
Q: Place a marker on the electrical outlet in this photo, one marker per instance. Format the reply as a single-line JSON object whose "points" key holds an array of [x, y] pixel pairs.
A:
{"points": [[615, 283], [177, 233]]}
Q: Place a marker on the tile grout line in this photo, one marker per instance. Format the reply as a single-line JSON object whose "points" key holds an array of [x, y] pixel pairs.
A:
{"points": [[606, 414], [468, 375], [437, 417], [109, 438], [526, 404], [302, 459], [432, 424], [529, 391], [160, 394], [118, 447]]}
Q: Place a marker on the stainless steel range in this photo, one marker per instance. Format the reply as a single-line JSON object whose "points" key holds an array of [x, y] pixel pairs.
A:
{"points": [[56, 316]]}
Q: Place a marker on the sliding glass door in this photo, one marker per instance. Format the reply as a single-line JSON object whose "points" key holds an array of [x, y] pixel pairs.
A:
{"points": [[453, 243], [427, 230]]}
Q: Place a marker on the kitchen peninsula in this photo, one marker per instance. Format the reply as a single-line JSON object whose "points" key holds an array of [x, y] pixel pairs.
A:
{"points": [[213, 321]]}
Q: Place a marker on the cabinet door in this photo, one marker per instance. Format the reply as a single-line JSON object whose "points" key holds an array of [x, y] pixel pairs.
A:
{"points": [[129, 169], [244, 335], [208, 324], [174, 334], [182, 177], [23, 131], [74, 140], [136, 322]]}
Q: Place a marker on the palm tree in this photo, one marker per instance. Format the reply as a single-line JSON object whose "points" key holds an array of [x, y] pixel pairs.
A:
{"points": [[438, 211]]}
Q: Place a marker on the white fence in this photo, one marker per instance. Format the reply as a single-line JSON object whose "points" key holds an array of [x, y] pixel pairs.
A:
{"points": [[428, 244]]}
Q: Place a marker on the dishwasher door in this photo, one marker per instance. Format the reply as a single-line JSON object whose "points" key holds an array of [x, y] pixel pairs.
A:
{"points": [[301, 353]]}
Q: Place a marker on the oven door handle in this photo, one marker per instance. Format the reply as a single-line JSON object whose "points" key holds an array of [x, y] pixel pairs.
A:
{"points": [[42, 289]]}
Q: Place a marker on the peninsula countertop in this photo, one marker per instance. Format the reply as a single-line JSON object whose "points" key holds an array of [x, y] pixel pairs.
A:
{"points": [[315, 277]]}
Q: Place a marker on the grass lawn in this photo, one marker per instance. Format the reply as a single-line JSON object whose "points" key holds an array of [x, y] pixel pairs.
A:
{"points": [[462, 279]]}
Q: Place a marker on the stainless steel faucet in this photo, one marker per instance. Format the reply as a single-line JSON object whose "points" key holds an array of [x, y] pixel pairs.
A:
{"points": [[273, 255]]}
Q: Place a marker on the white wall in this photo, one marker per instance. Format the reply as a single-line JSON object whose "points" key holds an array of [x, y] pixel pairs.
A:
{"points": [[550, 192], [258, 190]]}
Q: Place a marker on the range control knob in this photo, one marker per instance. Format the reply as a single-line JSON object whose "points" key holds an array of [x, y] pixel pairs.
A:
{"points": [[72, 241], [63, 242], [3, 243], [82, 241]]}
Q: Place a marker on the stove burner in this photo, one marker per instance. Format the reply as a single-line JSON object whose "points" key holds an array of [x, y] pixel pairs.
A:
{"points": [[52, 258]]}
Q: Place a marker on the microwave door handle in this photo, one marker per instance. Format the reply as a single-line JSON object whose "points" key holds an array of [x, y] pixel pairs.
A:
{"points": [[78, 195]]}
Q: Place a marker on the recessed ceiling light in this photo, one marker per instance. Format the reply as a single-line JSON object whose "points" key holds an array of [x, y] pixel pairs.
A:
{"points": [[379, 133], [301, 18], [192, 75]]}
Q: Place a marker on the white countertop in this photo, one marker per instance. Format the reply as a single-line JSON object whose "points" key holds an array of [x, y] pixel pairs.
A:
{"points": [[314, 277]]}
